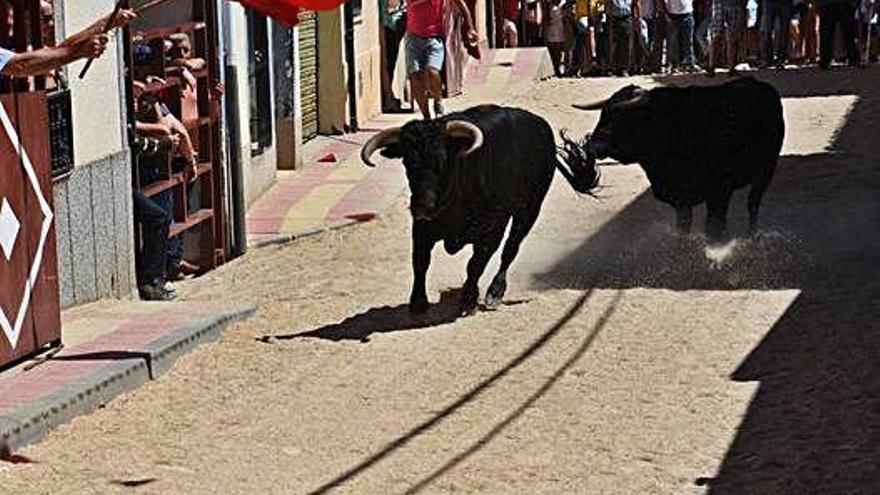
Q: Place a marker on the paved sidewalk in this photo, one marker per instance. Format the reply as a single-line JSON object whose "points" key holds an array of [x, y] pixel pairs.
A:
{"points": [[110, 348], [327, 195]]}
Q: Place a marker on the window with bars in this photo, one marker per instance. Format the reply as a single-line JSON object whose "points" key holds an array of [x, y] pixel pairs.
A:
{"points": [[28, 25]]}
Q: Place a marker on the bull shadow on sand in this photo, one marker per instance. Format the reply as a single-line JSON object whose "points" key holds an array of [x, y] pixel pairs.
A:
{"points": [[386, 319], [813, 425]]}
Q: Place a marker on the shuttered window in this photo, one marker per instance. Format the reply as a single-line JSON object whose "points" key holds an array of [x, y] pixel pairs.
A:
{"points": [[308, 43]]}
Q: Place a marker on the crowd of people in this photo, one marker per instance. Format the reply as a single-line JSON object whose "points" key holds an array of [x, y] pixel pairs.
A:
{"points": [[622, 37]]}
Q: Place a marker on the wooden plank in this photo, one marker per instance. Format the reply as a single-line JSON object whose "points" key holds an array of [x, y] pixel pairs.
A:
{"points": [[41, 321]]}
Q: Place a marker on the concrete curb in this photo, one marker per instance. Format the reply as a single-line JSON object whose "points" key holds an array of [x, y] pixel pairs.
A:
{"points": [[32, 422]]}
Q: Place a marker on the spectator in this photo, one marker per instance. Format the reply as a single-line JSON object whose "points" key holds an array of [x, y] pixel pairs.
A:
{"points": [[728, 22], [155, 120], [180, 54], [658, 31], [833, 13], [680, 35], [620, 15], [643, 49], [811, 33], [554, 33], [598, 38], [533, 18], [510, 23], [868, 30], [797, 38], [582, 53], [703, 22], [392, 16], [88, 43], [426, 49], [155, 221], [775, 32]]}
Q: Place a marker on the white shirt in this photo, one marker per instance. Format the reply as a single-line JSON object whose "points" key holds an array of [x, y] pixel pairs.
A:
{"points": [[5, 57], [678, 7]]}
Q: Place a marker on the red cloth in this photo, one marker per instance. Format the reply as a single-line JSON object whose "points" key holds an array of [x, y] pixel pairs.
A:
{"points": [[424, 18], [511, 10], [287, 11], [284, 11]]}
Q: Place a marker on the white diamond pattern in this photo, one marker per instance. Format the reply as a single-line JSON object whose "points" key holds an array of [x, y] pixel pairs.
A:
{"points": [[9, 227], [12, 329]]}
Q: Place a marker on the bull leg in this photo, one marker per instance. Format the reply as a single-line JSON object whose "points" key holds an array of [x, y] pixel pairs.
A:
{"points": [[716, 217], [522, 224], [684, 218], [483, 251], [754, 204], [422, 246]]}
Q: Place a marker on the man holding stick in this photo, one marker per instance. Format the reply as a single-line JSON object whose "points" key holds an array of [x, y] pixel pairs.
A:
{"points": [[88, 43]]}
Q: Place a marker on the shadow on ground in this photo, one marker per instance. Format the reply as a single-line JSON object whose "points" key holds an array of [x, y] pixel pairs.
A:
{"points": [[473, 394], [386, 319], [814, 423]]}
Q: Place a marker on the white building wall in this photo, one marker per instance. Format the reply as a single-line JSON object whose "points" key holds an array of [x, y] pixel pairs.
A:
{"points": [[258, 172], [97, 103]]}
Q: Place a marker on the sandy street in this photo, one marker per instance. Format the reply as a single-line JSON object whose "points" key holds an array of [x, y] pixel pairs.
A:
{"points": [[624, 362]]}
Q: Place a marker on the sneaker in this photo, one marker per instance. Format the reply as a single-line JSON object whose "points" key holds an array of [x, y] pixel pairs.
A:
{"points": [[150, 292], [439, 111]]}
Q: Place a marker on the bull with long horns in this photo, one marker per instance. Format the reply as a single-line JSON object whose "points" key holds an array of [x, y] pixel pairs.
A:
{"points": [[470, 174]]}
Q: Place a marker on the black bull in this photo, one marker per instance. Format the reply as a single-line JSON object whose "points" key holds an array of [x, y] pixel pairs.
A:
{"points": [[696, 144], [469, 174]]}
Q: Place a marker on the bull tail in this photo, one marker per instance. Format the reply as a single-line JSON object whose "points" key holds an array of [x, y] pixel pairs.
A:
{"points": [[577, 164]]}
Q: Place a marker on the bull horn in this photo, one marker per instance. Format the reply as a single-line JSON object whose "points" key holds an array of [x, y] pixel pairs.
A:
{"points": [[596, 105], [462, 129], [385, 138]]}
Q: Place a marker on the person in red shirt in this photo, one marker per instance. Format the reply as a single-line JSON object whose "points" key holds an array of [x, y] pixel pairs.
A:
{"points": [[426, 50], [511, 20]]}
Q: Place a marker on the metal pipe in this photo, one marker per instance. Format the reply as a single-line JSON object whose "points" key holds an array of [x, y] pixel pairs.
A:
{"points": [[348, 17], [233, 141]]}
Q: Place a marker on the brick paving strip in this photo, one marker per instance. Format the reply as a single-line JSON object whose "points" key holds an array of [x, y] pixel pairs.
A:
{"points": [[328, 196], [113, 348]]}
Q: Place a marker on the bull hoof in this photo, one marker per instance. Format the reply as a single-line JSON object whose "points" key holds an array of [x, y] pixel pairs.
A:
{"points": [[418, 305], [495, 295], [466, 310], [467, 306], [493, 302]]}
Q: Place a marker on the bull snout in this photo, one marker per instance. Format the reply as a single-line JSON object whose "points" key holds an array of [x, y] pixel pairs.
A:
{"points": [[424, 205]]}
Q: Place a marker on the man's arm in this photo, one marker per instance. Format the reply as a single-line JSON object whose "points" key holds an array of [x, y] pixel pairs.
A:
{"points": [[152, 130], [38, 62], [88, 43], [97, 28], [468, 20]]}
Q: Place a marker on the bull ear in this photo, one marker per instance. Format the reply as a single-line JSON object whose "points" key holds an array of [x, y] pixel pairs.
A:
{"points": [[639, 100]]}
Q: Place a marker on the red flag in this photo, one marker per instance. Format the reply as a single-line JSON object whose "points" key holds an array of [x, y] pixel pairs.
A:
{"points": [[285, 11]]}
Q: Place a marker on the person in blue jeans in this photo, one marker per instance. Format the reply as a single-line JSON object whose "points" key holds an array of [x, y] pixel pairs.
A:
{"points": [[680, 35], [775, 27], [620, 14], [831, 14]]}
